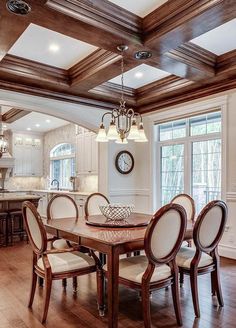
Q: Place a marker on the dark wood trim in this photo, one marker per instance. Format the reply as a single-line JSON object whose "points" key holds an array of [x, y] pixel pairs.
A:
{"points": [[226, 63], [14, 114], [179, 21], [25, 70], [101, 14], [113, 91]]}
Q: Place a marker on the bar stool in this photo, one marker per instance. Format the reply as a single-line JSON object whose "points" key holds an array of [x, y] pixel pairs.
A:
{"points": [[13, 216], [3, 228]]}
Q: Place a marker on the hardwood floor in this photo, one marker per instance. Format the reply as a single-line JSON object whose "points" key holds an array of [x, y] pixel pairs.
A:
{"points": [[68, 310]]}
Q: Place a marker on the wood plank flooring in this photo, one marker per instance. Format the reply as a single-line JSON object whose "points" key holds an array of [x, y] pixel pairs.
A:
{"points": [[80, 310]]}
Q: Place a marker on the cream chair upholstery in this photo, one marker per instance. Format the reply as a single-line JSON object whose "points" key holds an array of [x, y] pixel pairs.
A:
{"points": [[62, 206], [56, 264], [34, 229], [188, 204], [157, 268], [207, 232], [64, 262], [93, 202], [186, 255], [59, 207]]}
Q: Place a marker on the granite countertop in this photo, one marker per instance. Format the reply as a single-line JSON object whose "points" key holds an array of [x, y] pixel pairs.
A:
{"points": [[16, 196], [54, 191]]}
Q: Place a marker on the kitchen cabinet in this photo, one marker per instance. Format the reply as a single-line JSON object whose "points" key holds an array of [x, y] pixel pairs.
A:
{"points": [[87, 153], [43, 203], [28, 154]]}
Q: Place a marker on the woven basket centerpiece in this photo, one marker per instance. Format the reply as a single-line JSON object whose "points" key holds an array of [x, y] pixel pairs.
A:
{"points": [[116, 211]]}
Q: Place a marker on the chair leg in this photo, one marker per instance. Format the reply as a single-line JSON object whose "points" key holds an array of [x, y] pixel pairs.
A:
{"points": [[217, 285], [213, 290], [100, 292], [75, 284], [194, 289], [176, 301], [33, 287], [146, 306], [48, 287]]}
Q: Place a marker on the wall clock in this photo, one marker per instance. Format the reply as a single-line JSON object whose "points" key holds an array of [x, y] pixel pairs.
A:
{"points": [[124, 162]]}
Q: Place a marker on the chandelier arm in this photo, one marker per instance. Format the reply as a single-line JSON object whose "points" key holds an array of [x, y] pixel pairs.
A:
{"points": [[107, 113]]}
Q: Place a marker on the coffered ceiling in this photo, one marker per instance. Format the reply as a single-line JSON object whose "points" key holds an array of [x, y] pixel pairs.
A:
{"points": [[67, 50], [51, 48], [139, 7]]}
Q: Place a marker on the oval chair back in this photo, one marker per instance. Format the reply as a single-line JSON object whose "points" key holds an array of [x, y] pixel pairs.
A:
{"points": [[62, 206], [209, 226], [188, 204], [165, 233], [93, 202], [34, 228]]}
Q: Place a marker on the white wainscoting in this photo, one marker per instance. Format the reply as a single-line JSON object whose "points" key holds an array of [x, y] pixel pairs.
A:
{"points": [[139, 197], [227, 247]]}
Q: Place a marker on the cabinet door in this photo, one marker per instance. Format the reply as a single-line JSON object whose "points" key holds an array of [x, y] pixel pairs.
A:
{"points": [[27, 160], [80, 154], [94, 154], [87, 153], [37, 162], [18, 167]]}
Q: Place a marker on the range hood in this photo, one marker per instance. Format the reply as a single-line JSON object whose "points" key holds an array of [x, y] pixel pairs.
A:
{"points": [[6, 166]]}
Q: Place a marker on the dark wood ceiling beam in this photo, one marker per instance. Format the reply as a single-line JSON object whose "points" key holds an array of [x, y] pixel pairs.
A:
{"points": [[56, 95], [9, 31], [27, 71], [13, 115], [112, 91], [226, 63], [177, 22]]}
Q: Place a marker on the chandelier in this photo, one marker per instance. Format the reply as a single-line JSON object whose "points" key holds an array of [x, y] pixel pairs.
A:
{"points": [[125, 123], [3, 142]]}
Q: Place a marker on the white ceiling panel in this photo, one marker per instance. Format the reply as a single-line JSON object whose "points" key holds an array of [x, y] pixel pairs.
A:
{"points": [[139, 7], [36, 122], [140, 76], [49, 47], [220, 40]]}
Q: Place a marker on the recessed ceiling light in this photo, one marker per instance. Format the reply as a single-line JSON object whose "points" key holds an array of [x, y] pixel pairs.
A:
{"points": [[4, 126], [48, 121], [54, 47], [37, 125], [29, 129], [138, 75]]}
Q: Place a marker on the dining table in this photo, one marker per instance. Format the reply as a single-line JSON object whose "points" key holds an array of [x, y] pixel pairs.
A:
{"points": [[113, 240]]}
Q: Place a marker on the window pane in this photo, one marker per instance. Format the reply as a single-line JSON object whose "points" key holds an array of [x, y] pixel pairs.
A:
{"points": [[197, 125], [206, 172], [172, 130], [214, 123], [172, 172]]}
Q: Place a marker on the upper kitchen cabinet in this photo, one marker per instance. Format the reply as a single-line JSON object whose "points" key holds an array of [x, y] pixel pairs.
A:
{"points": [[28, 154], [87, 152]]}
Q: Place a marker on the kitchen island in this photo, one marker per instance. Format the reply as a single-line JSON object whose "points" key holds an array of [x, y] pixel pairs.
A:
{"points": [[10, 214]]}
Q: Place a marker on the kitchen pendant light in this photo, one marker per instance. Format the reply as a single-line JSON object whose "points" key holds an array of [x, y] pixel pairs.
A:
{"points": [[124, 121]]}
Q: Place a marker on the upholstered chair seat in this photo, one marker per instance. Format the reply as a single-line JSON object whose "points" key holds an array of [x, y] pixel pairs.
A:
{"points": [[186, 255], [133, 268], [157, 268], [70, 261]]}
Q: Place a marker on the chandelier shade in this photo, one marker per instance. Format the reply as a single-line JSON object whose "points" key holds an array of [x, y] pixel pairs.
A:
{"points": [[125, 123]]}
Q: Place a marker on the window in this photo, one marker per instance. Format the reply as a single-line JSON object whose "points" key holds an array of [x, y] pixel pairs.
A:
{"points": [[62, 164], [189, 157]]}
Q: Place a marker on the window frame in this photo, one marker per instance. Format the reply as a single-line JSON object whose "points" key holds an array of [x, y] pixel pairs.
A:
{"points": [[187, 141], [71, 156]]}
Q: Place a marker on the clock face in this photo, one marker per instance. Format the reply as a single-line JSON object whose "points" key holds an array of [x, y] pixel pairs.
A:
{"points": [[124, 162]]}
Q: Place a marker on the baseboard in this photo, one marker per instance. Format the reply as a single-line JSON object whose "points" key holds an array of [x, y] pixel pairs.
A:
{"points": [[227, 251]]}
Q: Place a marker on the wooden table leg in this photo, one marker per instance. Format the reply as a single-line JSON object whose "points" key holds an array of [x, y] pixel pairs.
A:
{"points": [[112, 286]]}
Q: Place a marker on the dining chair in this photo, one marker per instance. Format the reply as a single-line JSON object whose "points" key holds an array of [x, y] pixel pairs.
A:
{"points": [[157, 268], [56, 264], [59, 207], [207, 232], [93, 202], [188, 204]]}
